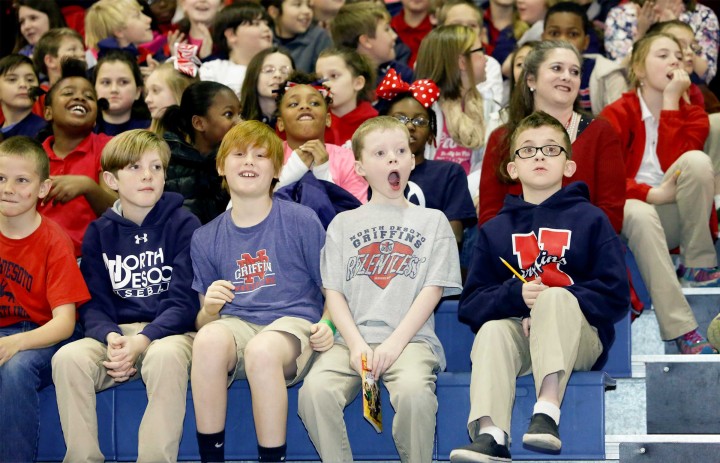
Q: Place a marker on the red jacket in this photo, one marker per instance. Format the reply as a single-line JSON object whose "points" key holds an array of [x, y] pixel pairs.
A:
{"points": [[679, 131], [599, 164], [344, 127]]}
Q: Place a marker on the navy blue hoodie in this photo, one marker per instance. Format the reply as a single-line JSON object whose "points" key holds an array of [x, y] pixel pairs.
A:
{"points": [[140, 273], [567, 242]]}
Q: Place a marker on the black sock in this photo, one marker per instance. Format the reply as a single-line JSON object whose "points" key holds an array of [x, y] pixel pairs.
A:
{"points": [[212, 447], [272, 453]]}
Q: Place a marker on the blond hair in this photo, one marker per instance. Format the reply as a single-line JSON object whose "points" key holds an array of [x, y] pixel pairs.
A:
{"points": [[128, 147], [640, 52], [106, 17], [177, 82], [249, 134], [27, 148], [380, 123]]}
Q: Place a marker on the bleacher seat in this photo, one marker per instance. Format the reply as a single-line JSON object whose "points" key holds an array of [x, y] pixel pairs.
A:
{"points": [[582, 428]]}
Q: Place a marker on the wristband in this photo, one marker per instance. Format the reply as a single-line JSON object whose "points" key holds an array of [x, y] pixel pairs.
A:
{"points": [[329, 323]]}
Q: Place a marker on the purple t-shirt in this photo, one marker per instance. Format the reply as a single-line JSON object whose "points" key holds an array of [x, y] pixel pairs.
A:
{"points": [[274, 265]]}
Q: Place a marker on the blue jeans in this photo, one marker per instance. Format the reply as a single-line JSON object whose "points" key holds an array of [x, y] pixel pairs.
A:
{"points": [[21, 380]]}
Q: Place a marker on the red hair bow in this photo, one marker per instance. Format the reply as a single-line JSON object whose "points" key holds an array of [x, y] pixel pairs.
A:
{"points": [[425, 91]]}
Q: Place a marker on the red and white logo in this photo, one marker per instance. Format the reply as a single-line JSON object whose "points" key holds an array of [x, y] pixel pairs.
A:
{"points": [[382, 261], [253, 272], [543, 256]]}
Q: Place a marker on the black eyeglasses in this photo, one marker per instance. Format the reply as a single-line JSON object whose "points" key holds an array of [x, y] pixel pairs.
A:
{"points": [[417, 122], [528, 152], [479, 49]]}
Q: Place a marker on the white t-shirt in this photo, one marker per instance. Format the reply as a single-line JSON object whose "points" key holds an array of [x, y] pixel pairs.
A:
{"points": [[225, 72]]}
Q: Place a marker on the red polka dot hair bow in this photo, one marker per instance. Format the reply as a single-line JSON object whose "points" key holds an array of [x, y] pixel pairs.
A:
{"points": [[423, 90]]}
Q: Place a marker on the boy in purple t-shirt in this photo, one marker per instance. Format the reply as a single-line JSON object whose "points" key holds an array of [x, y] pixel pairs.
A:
{"points": [[257, 269]]}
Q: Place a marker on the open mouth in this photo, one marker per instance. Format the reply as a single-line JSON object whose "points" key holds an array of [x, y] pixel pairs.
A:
{"points": [[306, 117], [394, 180], [80, 110], [248, 174], [563, 88]]}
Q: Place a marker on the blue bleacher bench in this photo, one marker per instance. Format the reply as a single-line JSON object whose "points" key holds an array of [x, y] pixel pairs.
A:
{"points": [[582, 428]]}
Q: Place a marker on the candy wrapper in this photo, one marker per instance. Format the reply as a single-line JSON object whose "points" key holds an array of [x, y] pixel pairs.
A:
{"points": [[371, 397]]}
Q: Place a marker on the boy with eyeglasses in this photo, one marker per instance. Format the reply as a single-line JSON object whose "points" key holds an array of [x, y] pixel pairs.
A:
{"points": [[558, 317]]}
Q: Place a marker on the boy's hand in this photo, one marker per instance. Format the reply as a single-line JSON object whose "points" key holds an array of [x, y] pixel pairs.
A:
{"points": [[530, 291], [123, 352], [665, 193], [356, 357], [9, 346], [526, 322], [317, 150], [321, 338], [218, 294], [385, 355], [68, 187]]}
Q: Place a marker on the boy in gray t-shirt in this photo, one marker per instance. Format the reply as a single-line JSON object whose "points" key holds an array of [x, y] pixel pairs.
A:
{"points": [[384, 268]]}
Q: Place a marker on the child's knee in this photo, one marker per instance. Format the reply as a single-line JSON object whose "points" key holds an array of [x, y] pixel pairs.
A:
{"points": [[212, 341]]}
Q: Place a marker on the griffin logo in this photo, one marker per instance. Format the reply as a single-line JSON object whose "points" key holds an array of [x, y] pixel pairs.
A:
{"points": [[254, 272]]}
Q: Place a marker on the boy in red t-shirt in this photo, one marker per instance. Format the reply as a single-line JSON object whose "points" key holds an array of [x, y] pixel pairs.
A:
{"points": [[40, 285]]}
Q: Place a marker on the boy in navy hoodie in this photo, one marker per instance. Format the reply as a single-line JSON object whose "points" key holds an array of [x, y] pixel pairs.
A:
{"points": [[561, 319], [136, 259]]}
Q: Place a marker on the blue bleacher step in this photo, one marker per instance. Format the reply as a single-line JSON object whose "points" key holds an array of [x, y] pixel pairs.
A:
{"points": [[660, 448]]}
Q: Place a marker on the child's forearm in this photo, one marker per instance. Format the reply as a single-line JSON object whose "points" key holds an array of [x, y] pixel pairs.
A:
{"points": [[59, 328], [100, 198], [420, 310], [342, 318]]}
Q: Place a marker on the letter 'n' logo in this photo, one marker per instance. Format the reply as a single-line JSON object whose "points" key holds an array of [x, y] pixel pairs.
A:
{"points": [[543, 256]]}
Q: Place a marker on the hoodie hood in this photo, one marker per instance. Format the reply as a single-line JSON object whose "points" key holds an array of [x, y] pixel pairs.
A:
{"points": [[167, 205], [565, 199]]}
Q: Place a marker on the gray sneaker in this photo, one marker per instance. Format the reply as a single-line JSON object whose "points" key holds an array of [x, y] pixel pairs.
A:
{"points": [[543, 434], [484, 449]]}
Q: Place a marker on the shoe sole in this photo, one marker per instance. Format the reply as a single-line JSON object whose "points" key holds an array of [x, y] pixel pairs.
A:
{"points": [[713, 333], [467, 456], [546, 442]]}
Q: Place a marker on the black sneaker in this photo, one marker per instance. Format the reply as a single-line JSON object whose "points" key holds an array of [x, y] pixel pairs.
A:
{"points": [[543, 434], [484, 449]]}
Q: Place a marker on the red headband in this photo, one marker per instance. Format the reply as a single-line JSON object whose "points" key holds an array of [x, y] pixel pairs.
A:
{"points": [[317, 85], [425, 91]]}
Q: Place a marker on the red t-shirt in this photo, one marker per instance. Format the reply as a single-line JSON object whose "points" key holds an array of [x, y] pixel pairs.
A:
{"points": [[37, 274], [411, 36], [75, 215], [346, 125]]}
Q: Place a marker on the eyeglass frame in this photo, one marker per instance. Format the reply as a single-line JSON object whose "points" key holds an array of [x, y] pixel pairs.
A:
{"points": [[271, 69], [404, 120], [516, 153], [475, 50]]}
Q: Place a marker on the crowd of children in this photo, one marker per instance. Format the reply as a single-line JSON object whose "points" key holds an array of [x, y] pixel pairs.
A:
{"points": [[142, 235]]}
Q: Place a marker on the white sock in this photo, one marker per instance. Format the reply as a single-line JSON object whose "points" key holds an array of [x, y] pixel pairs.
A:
{"points": [[497, 433], [549, 409]]}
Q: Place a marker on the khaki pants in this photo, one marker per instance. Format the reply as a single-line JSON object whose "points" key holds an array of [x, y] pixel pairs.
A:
{"points": [[331, 384], [652, 230], [561, 340], [78, 373]]}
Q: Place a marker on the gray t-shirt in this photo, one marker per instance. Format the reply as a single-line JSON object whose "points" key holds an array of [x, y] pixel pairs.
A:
{"points": [[380, 257]]}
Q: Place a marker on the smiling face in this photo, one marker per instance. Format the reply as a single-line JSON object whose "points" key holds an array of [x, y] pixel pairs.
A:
{"points": [[664, 57], [15, 85], [558, 80], [253, 37], [139, 184], [343, 85], [159, 95], [568, 27], [33, 24], [222, 115], [73, 106], [201, 11], [116, 83], [386, 162], [531, 11], [295, 18], [20, 186], [540, 173], [412, 109], [248, 171], [275, 70], [303, 115]]}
